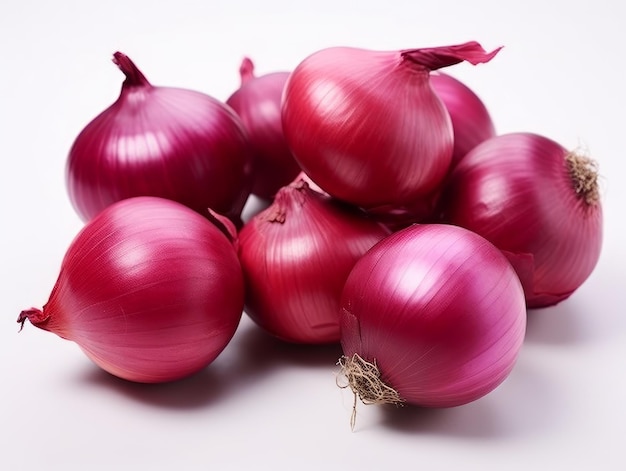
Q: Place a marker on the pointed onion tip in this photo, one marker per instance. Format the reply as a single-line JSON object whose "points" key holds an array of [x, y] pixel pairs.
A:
{"points": [[246, 70], [434, 58], [134, 77], [34, 315]]}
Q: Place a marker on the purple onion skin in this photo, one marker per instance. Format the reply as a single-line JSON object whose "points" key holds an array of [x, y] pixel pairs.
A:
{"points": [[471, 120], [258, 104]]}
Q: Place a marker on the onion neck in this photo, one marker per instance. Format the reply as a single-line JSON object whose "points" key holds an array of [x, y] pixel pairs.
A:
{"points": [[246, 70], [295, 194], [134, 77], [583, 172], [46, 320], [35, 316], [433, 58]]}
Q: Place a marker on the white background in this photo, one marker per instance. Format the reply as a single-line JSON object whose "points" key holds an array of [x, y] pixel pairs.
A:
{"points": [[262, 404]]}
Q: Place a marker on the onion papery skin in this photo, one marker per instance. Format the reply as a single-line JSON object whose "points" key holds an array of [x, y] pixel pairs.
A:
{"points": [[296, 256], [312, 185], [471, 121], [168, 142], [517, 191], [258, 104], [367, 127], [149, 289], [439, 310]]}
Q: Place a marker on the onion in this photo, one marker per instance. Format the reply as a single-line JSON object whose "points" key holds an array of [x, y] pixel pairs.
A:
{"points": [[536, 201], [296, 256], [149, 289], [257, 102], [471, 121], [367, 127], [433, 315], [160, 141]]}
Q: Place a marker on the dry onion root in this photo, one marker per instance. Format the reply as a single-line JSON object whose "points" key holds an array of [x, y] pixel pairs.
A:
{"points": [[364, 380], [584, 173]]}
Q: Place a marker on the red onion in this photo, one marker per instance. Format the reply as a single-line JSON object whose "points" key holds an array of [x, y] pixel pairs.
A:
{"points": [[433, 316], [536, 201], [367, 127], [471, 121], [257, 102], [160, 141], [296, 256], [149, 289]]}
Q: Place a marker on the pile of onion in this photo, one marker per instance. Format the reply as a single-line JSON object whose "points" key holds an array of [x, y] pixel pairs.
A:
{"points": [[399, 225]]}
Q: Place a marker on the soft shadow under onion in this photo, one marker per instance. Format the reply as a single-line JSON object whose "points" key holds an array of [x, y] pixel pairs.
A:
{"points": [[527, 404], [253, 357], [195, 392]]}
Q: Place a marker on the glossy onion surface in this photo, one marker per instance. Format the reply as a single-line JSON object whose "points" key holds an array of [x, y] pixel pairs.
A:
{"points": [[520, 192], [439, 310], [160, 141], [149, 289], [367, 127], [296, 256]]}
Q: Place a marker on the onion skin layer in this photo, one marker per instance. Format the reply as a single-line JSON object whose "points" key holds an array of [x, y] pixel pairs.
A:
{"points": [[439, 310], [517, 191], [471, 121], [168, 142], [296, 256], [149, 289]]}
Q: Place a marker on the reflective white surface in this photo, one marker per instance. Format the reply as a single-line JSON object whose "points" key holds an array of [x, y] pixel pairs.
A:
{"points": [[263, 404]]}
